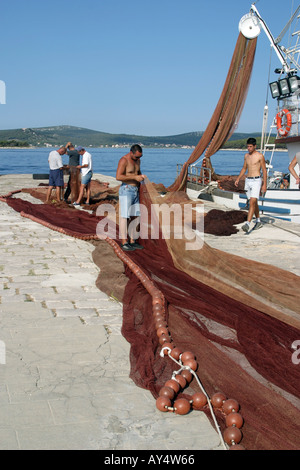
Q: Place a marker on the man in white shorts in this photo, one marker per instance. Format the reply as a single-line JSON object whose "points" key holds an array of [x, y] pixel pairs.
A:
{"points": [[254, 162]]}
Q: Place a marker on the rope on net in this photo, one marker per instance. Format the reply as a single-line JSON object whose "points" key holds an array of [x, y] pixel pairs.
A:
{"points": [[10, 194], [188, 366]]}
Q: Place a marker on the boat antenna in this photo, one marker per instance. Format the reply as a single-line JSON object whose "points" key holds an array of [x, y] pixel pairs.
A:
{"points": [[279, 38], [271, 39], [266, 112]]}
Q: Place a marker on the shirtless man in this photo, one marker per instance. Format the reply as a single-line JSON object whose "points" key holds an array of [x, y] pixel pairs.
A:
{"points": [[129, 173], [254, 162], [294, 162]]}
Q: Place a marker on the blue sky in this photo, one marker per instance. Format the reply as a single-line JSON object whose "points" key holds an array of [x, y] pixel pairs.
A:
{"points": [[151, 67]]}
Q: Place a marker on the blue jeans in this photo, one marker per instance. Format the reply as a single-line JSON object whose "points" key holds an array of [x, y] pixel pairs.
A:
{"points": [[86, 178], [129, 201]]}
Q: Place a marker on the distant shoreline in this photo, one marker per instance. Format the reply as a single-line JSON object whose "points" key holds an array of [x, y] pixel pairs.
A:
{"points": [[145, 146]]}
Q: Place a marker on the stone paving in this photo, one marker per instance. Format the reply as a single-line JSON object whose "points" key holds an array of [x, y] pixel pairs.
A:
{"points": [[64, 364]]}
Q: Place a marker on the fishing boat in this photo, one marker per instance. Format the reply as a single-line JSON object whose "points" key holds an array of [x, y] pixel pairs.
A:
{"points": [[282, 198]]}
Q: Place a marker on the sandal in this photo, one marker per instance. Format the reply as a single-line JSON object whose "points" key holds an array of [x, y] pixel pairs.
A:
{"points": [[136, 246]]}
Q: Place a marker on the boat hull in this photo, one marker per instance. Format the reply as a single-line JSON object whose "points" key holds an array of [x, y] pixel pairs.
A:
{"points": [[281, 204]]}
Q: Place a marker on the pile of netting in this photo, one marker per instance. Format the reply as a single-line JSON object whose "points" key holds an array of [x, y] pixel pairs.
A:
{"points": [[193, 314]]}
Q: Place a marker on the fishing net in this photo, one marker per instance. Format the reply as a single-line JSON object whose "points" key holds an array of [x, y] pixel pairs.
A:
{"points": [[240, 325], [228, 110], [238, 317]]}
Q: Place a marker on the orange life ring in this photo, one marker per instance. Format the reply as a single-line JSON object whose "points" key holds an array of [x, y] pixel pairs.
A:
{"points": [[283, 130]]}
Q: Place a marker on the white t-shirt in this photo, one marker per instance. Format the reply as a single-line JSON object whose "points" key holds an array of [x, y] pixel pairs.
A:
{"points": [[55, 161], [86, 160]]}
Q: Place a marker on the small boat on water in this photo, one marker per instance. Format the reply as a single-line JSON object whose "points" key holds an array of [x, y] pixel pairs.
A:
{"points": [[282, 198]]}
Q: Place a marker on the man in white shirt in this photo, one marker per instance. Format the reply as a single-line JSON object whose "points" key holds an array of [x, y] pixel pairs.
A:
{"points": [[56, 175], [86, 175]]}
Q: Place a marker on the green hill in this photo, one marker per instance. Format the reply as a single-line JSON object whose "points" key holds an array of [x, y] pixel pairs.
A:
{"points": [[60, 135]]}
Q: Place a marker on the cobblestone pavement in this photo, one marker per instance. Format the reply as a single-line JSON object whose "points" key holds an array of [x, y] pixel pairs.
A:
{"points": [[64, 364]]}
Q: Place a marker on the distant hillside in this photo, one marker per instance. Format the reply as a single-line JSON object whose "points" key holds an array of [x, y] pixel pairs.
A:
{"points": [[60, 135]]}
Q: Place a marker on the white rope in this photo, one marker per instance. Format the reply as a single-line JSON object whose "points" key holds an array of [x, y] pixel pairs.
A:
{"points": [[182, 367]]}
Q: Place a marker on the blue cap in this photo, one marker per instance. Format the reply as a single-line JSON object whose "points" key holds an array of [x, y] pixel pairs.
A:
{"points": [[79, 149]]}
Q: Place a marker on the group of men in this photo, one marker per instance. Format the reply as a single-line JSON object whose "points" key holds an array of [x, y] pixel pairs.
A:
{"points": [[129, 173], [56, 175]]}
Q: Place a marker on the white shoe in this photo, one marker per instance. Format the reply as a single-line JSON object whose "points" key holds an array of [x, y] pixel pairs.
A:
{"points": [[246, 227]]}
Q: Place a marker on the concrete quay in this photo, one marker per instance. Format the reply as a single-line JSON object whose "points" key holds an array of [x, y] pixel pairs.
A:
{"points": [[277, 243], [64, 364]]}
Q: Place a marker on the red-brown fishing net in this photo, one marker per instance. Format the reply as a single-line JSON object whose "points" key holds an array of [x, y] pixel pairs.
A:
{"points": [[239, 317], [228, 110]]}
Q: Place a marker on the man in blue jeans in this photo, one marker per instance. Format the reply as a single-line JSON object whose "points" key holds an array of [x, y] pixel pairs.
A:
{"points": [[129, 173]]}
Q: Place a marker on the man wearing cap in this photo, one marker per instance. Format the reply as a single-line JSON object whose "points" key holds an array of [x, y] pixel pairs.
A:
{"points": [[56, 174], [74, 158], [86, 175]]}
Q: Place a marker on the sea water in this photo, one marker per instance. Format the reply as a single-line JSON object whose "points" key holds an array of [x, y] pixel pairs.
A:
{"points": [[160, 165]]}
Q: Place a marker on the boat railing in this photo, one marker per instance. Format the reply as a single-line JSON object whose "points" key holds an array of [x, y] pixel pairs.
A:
{"points": [[270, 148], [197, 175]]}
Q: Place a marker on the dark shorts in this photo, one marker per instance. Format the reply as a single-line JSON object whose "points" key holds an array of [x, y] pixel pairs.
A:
{"points": [[56, 177]]}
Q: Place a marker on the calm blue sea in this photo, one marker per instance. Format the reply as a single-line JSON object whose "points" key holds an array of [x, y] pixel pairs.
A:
{"points": [[158, 164]]}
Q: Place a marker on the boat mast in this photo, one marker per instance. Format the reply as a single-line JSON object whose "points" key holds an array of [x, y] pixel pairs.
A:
{"points": [[274, 43], [286, 90]]}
